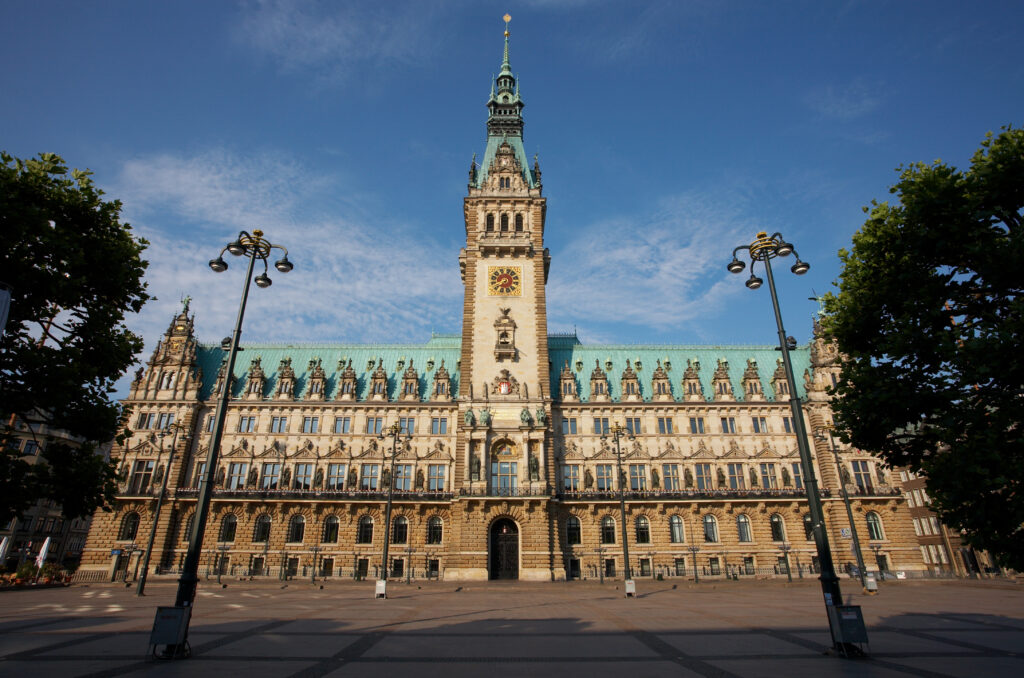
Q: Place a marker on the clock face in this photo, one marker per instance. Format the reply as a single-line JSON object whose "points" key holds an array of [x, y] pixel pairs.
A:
{"points": [[504, 281]]}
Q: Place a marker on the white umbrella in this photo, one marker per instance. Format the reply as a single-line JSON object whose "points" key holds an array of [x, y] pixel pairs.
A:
{"points": [[4, 545], [41, 558]]}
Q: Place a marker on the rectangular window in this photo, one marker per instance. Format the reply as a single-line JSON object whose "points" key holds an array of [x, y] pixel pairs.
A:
{"points": [[760, 424], [246, 424], [435, 478], [645, 567], [368, 476], [638, 477], [374, 424], [787, 424], [748, 564], [680, 564], [279, 424], [568, 426], [504, 477], [403, 477], [200, 474], [714, 566], [601, 425], [146, 420], [664, 424], [604, 478], [407, 425], [737, 480], [696, 424], [670, 477], [935, 524], [165, 420], [271, 476], [342, 424], [571, 478], [862, 475], [335, 476], [142, 474], [209, 423], [439, 425], [236, 475], [798, 479], [31, 448], [768, 480], [703, 476], [311, 424], [728, 425], [303, 476], [924, 554], [633, 425], [917, 527]]}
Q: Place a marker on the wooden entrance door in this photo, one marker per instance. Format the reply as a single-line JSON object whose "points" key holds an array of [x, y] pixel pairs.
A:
{"points": [[504, 550]]}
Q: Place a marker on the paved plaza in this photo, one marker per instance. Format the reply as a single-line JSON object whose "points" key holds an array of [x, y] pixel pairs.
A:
{"points": [[497, 629]]}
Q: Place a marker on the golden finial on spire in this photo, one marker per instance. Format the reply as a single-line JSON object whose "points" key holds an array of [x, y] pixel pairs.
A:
{"points": [[507, 18]]}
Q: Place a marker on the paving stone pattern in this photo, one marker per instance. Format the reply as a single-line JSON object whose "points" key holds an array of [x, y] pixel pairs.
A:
{"points": [[499, 629]]}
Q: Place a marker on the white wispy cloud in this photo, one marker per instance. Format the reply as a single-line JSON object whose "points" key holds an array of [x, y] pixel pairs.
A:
{"points": [[650, 270], [844, 102], [331, 40], [354, 280]]}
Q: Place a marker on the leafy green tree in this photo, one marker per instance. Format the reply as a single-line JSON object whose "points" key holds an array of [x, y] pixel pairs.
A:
{"points": [[75, 270], [930, 321]]}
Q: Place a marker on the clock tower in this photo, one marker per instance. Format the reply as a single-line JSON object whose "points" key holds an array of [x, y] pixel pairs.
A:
{"points": [[504, 383]]}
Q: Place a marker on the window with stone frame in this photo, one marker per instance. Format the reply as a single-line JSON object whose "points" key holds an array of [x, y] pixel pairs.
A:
{"points": [[403, 477], [737, 479], [573, 533], [364, 533], [768, 478], [607, 530], [670, 477], [604, 477], [571, 478], [296, 529], [435, 477], [129, 527], [435, 530], [874, 523], [703, 474], [142, 475], [638, 477], [237, 471], [228, 526], [633, 426], [331, 529], [400, 530], [677, 534], [778, 527], [743, 531], [336, 476], [862, 476], [303, 476], [369, 474], [798, 479], [710, 529], [643, 530], [808, 527], [271, 476]]}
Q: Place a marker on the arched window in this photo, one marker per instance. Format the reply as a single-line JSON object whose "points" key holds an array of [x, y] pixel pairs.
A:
{"points": [[261, 531], [710, 529], [778, 528], [228, 525], [435, 530], [743, 528], [808, 527], [296, 529], [675, 529], [874, 522], [186, 533], [504, 222], [331, 530], [490, 222], [643, 530], [365, 533], [607, 530], [129, 527], [400, 533], [519, 222]]}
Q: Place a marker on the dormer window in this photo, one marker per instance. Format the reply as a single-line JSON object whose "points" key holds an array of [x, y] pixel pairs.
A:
{"points": [[378, 388]]}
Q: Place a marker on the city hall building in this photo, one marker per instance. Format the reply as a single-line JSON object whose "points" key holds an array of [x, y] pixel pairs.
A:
{"points": [[505, 466]]}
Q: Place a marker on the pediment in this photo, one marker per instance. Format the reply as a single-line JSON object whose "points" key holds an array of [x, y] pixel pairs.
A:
{"points": [[703, 452], [438, 452], [767, 451], [572, 451], [274, 449], [670, 452], [146, 448], [372, 449], [338, 450], [239, 450], [306, 450], [734, 452], [636, 450], [604, 452]]}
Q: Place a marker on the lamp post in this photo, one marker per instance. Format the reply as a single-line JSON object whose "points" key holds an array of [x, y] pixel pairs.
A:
{"points": [[316, 551], [785, 548], [876, 549], [764, 248], [394, 432], [174, 428], [822, 434], [255, 247], [222, 551], [694, 549], [617, 432]]}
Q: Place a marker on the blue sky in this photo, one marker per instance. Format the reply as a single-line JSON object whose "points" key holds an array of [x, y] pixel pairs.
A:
{"points": [[668, 133]]}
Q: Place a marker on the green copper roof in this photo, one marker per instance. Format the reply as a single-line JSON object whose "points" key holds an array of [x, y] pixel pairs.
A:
{"points": [[426, 358]]}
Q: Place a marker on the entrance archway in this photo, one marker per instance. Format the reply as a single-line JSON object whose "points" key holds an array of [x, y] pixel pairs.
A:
{"points": [[504, 549]]}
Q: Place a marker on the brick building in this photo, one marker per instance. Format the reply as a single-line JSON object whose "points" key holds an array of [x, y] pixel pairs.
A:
{"points": [[504, 468]]}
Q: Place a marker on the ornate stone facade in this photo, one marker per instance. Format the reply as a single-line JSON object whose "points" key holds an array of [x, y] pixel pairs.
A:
{"points": [[508, 471]]}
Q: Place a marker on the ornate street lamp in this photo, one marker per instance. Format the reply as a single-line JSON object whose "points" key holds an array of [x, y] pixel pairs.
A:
{"points": [[617, 432], [785, 548], [394, 432], [255, 247], [173, 431], [316, 551], [764, 248], [825, 433], [694, 549]]}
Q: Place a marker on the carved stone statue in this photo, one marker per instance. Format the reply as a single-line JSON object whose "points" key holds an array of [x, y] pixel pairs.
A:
{"points": [[721, 478], [252, 478], [159, 475], [469, 418], [474, 467], [318, 479], [534, 467], [138, 374], [525, 417], [286, 479], [847, 480], [688, 477], [353, 479], [753, 477], [588, 480], [655, 479], [219, 481], [542, 417], [485, 417], [419, 479], [786, 480], [880, 474]]}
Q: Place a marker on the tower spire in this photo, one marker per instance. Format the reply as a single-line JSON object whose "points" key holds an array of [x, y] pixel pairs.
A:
{"points": [[504, 64]]}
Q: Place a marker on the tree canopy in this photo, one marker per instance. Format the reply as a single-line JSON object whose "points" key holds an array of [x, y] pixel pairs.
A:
{"points": [[929, 319], [75, 270]]}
